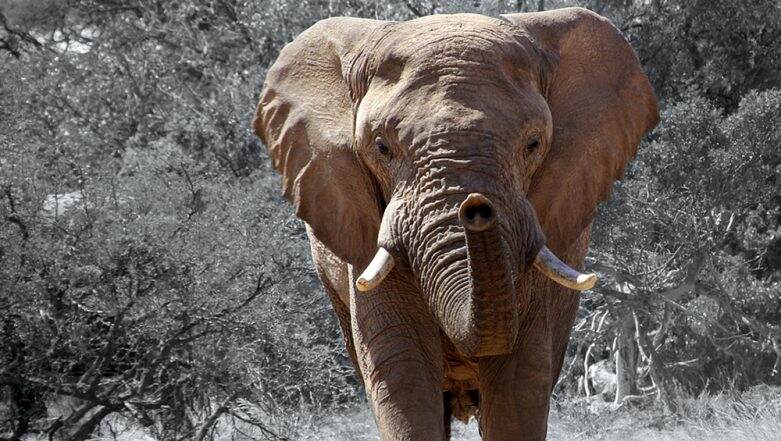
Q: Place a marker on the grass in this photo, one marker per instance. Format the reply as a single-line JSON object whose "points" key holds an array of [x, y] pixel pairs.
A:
{"points": [[750, 416], [753, 415]]}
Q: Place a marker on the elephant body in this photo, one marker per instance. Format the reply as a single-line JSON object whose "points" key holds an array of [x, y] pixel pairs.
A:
{"points": [[439, 165]]}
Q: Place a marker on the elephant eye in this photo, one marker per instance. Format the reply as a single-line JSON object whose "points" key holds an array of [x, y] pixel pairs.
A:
{"points": [[533, 144], [382, 146]]}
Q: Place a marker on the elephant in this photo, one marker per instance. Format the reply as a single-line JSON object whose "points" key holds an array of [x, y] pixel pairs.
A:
{"points": [[448, 170]]}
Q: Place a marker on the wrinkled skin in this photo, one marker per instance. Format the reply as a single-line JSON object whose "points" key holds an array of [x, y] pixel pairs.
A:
{"points": [[381, 130]]}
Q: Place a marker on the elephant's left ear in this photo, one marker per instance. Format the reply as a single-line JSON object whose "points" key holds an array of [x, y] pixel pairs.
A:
{"points": [[602, 105]]}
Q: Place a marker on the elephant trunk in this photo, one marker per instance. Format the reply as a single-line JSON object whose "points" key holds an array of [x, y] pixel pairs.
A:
{"points": [[484, 302], [466, 273]]}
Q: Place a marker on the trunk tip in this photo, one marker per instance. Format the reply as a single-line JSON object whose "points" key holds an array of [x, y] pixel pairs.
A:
{"points": [[477, 213]]}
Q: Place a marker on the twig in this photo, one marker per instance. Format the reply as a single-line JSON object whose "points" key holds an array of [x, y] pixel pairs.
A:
{"points": [[208, 424], [415, 11]]}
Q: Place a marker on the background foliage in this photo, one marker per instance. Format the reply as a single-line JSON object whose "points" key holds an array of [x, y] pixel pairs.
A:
{"points": [[150, 269]]}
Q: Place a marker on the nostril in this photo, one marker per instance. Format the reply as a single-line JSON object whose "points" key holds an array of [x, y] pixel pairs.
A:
{"points": [[470, 213], [476, 212], [485, 211]]}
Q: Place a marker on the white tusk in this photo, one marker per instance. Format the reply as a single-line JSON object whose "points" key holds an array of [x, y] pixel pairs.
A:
{"points": [[561, 273], [373, 275]]}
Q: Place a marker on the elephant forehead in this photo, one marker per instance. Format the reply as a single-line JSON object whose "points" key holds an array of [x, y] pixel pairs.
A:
{"points": [[440, 41]]}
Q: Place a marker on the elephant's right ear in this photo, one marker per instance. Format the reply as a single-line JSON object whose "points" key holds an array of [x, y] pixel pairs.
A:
{"points": [[305, 118]]}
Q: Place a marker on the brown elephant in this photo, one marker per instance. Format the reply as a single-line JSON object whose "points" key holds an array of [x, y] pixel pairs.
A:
{"points": [[439, 164]]}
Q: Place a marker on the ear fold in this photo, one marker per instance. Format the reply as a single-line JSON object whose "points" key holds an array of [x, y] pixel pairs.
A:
{"points": [[602, 105], [305, 118]]}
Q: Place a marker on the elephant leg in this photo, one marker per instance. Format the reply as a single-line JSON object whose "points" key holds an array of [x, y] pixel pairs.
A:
{"points": [[515, 388], [343, 315], [334, 275], [563, 304], [447, 398], [400, 357], [564, 310]]}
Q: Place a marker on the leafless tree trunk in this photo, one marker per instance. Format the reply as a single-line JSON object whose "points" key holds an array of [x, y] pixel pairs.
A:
{"points": [[586, 377], [626, 357], [656, 369]]}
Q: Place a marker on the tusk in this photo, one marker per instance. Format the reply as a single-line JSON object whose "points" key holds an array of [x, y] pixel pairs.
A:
{"points": [[373, 275], [561, 273]]}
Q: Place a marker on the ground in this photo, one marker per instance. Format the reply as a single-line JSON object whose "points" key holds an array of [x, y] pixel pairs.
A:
{"points": [[754, 415]]}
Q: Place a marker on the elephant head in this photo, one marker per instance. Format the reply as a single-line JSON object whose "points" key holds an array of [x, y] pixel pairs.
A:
{"points": [[445, 151]]}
